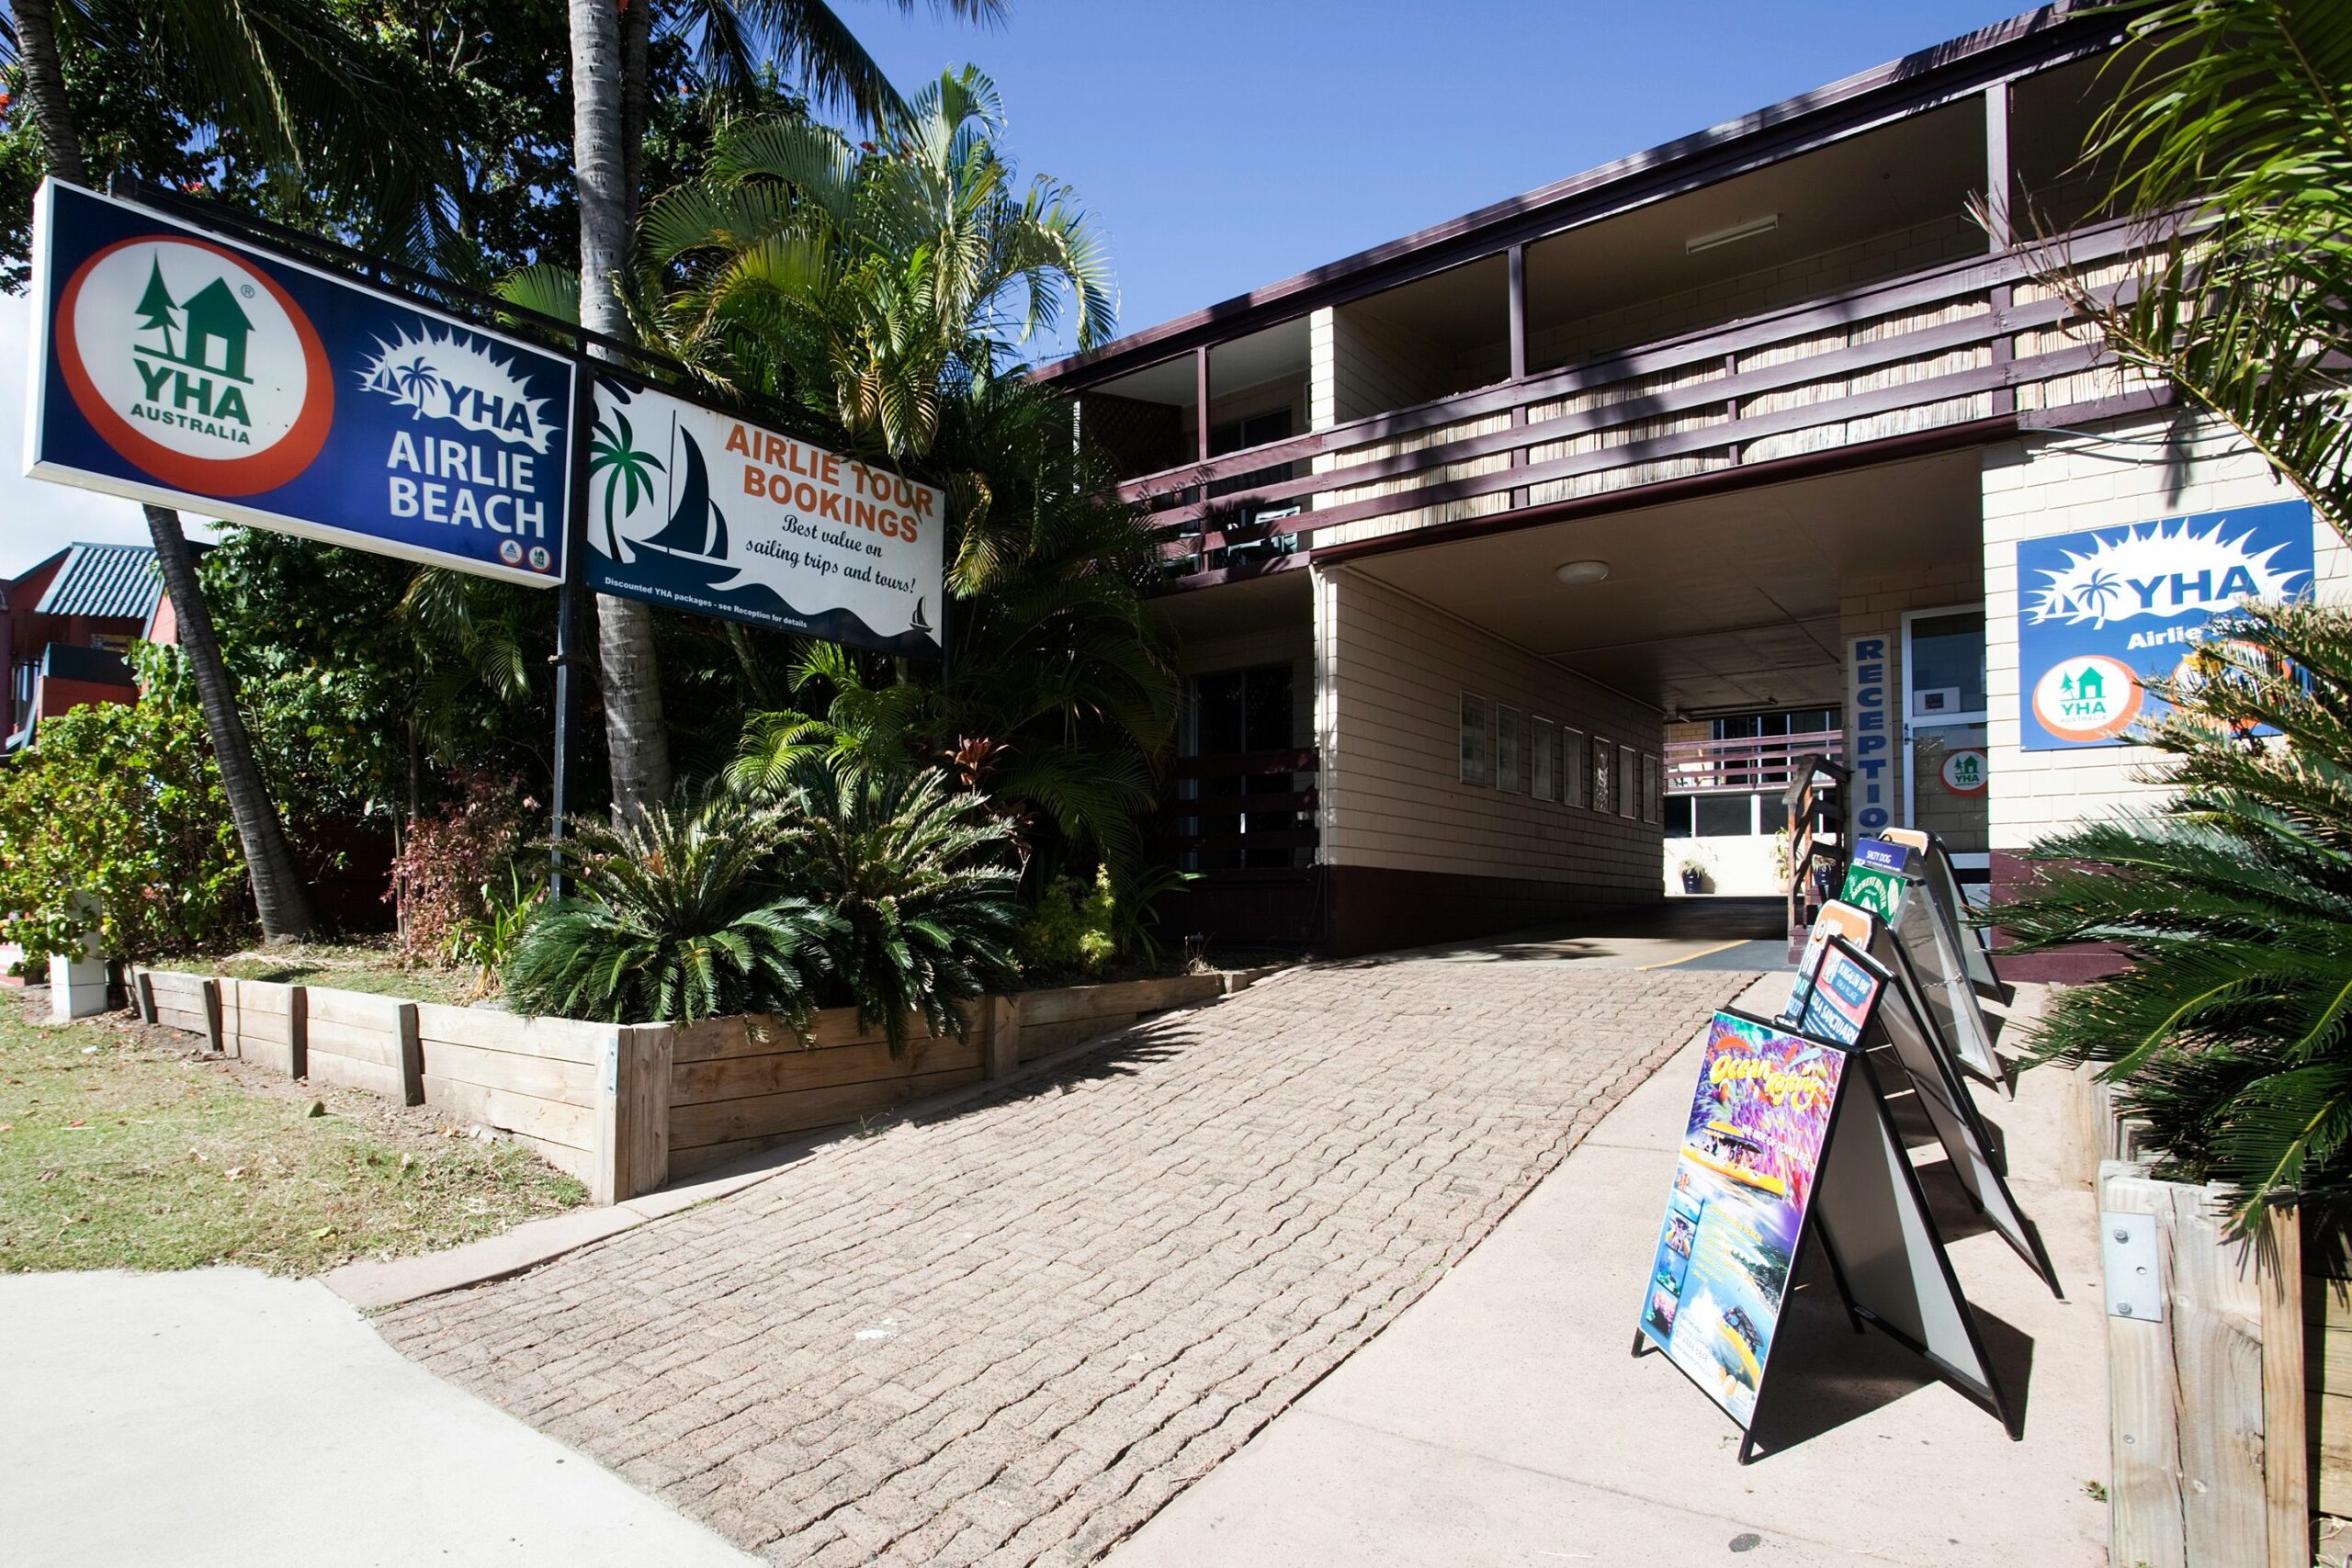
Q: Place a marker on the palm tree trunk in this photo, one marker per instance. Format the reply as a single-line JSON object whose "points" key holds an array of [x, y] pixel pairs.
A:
{"points": [[278, 894], [45, 87], [279, 897], [634, 735]]}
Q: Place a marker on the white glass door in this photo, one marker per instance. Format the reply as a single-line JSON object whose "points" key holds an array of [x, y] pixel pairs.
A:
{"points": [[1946, 785]]}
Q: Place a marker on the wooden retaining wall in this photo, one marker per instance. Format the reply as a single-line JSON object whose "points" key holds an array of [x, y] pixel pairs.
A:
{"points": [[629, 1108]]}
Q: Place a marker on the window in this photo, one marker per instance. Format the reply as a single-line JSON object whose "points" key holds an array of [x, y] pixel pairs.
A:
{"points": [[1474, 739], [1602, 756], [1571, 766], [1725, 816], [1507, 750], [1652, 787], [1629, 784], [1677, 816], [1543, 751]]}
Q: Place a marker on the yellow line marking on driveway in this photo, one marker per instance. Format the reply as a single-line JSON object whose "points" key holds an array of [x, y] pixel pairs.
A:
{"points": [[1719, 947]]}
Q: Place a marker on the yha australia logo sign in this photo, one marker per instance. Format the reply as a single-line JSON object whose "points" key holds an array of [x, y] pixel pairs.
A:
{"points": [[187, 368], [194, 365], [2105, 611]]}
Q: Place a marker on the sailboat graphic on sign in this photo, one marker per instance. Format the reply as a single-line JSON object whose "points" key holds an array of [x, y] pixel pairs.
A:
{"points": [[918, 623], [696, 527]]}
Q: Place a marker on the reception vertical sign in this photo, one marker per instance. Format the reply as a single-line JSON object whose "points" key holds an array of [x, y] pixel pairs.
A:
{"points": [[1870, 737]]}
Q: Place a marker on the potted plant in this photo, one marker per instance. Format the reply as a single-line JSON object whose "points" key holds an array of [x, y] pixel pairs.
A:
{"points": [[1694, 876]]}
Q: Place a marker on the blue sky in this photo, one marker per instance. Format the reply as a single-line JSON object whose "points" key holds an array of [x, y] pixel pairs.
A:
{"points": [[1225, 144]]}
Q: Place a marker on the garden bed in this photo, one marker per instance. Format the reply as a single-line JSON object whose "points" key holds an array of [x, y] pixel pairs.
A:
{"points": [[629, 1108]]}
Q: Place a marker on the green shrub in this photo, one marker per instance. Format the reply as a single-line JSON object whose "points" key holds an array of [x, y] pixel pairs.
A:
{"points": [[918, 882], [121, 803], [677, 917], [1070, 928]]}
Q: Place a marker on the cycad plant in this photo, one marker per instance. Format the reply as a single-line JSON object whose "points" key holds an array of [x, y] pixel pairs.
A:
{"points": [[916, 881], [678, 917], [2231, 1033]]}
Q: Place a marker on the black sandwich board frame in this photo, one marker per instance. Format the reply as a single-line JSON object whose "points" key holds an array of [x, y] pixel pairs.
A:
{"points": [[1948, 1088], [1973, 944], [1919, 894], [1984, 1393]]}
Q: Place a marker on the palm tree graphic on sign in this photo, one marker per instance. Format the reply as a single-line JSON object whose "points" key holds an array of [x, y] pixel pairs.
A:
{"points": [[413, 380], [2095, 591], [628, 474]]}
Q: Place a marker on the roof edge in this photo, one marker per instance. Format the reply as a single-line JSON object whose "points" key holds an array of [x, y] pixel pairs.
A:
{"points": [[1277, 300]]}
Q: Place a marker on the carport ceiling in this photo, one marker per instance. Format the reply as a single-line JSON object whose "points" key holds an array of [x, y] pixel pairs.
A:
{"points": [[1721, 601]]}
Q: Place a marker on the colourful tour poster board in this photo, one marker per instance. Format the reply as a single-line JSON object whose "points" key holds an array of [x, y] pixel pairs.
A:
{"points": [[1943, 886], [1876, 877], [693, 509], [172, 365], [2105, 610], [1837, 990], [1735, 1216]]}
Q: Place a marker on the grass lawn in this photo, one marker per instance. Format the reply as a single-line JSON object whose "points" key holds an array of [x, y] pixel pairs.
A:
{"points": [[121, 1149]]}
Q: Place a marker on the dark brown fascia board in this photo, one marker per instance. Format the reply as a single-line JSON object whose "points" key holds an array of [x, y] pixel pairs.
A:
{"points": [[1929, 78], [1887, 449]]}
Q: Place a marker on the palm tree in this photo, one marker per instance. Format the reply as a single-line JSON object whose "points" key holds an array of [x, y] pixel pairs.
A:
{"points": [[2231, 1032], [874, 285], [2233, 130], [609, 90], [254, 64]]}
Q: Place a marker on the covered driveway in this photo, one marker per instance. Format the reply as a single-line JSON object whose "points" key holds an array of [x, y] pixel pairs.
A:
{"points": [[1013, 1334]]}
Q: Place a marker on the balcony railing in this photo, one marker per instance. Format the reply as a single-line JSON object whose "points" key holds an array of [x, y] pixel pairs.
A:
{"points": [[1240, 811], [1759, 762], [1975, 340]]}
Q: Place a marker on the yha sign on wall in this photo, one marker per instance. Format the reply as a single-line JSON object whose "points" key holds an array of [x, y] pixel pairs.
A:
{"points": [[174, 367], [693, 509], [2104, 610]]}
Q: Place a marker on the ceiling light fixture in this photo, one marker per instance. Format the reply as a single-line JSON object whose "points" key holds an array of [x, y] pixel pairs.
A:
{"points": [[1737, 233], [1579, 572]]}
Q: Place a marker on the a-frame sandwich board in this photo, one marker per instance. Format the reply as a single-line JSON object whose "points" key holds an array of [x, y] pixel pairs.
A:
{"points": [[1888, 880], [1824, 1001], [1788, 1138], [1944, 884]]}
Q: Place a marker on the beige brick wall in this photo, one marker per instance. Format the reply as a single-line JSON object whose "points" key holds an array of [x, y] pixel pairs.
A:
{"points": [[1390, 670], [2060, 484]]}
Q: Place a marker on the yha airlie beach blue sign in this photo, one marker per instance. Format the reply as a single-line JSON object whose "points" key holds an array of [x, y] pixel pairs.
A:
{"points": [[693, 509], [174, 367], [2102, 612]]}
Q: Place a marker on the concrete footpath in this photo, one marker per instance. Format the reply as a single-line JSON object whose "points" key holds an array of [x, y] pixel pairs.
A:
{"points": [[1501, 1420], [224, 1418]]}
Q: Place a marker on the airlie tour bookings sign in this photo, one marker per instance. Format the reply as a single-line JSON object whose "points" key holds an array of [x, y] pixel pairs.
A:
{"points": [[176, 367], [2105, 610], [693, 509]]}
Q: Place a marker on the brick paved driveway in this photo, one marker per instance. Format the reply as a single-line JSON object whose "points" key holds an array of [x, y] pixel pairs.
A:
{"points": [[1010, 1335]]}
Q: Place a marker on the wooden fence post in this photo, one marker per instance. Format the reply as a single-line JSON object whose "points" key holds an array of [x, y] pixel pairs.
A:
{"points": [[1004, 1037], [298, 1032], [2185, 1394], [142, 983], [633, 1113], [412, 1057], [212, 1040], [2286, 1461]]}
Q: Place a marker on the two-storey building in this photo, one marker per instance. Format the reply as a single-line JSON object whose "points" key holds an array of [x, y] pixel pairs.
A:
{"points": [[1460, 531]]}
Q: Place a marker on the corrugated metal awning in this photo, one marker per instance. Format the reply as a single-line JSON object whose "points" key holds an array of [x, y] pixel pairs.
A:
{"points": [[105, 582]]}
